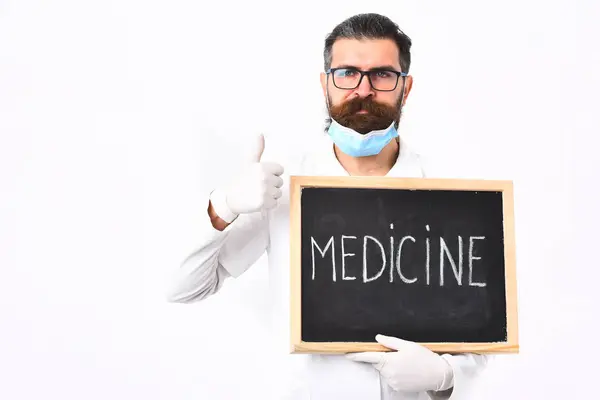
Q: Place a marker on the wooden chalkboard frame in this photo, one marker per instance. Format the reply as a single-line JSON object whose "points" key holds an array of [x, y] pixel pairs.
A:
{"points": [[297, 183]]}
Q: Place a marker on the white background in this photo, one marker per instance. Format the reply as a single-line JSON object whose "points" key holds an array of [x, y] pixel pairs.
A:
{"points": [[114, 116]]}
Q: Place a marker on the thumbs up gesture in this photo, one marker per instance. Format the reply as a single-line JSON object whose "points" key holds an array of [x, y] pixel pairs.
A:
{"points": [[258, 187]]}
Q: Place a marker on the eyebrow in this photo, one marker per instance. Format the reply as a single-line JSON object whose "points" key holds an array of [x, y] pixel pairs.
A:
{"points": [[379, 68]]}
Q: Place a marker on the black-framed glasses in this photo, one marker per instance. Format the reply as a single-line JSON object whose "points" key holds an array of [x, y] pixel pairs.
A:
{"points": [[383, 80]]}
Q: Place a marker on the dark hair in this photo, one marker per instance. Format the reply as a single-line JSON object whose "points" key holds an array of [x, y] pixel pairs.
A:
{"points": [[369, 26]]}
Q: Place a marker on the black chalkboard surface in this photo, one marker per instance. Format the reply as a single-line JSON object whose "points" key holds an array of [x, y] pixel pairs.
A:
{"points": [[431, 261]]}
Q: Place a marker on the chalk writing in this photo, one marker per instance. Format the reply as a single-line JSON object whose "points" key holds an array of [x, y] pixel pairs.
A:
{"points": [[372, 272]]}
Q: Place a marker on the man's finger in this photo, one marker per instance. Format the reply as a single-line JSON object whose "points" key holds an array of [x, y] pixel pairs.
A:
{"points": [[273, 168], [258, 148], [274, 181], [372, 357], [392, 342]]}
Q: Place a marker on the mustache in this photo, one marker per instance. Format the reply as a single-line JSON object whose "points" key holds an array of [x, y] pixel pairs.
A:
{"points": [[379, 116], [364, 104]]}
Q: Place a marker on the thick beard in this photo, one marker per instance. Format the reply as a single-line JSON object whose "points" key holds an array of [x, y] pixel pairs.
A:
{"points": [[379, 116]]}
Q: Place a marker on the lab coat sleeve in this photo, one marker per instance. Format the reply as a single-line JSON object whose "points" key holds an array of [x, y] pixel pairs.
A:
{"points": [[466, 368], [218, 256]]}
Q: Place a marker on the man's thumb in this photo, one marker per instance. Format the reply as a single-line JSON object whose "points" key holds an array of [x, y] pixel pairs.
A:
{"points": [[258, 148]]}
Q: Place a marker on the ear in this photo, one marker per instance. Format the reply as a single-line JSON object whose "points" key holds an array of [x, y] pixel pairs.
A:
{"points": [[407, 88], [323, 77]]}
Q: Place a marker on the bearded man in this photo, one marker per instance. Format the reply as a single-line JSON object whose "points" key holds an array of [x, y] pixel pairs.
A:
{"points": [[365, 84]]}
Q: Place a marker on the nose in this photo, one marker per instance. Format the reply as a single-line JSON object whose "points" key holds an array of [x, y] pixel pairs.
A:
{"points": [[364, 89]]}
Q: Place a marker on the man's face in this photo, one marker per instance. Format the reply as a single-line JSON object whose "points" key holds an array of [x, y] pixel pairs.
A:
{"points": [[364, 108]]}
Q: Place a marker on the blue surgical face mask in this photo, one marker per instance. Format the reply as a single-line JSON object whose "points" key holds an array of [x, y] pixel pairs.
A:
{"points": [[360, 145]]}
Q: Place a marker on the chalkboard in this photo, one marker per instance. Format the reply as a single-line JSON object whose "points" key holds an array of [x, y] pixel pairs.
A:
{"points": [[426, 260]]}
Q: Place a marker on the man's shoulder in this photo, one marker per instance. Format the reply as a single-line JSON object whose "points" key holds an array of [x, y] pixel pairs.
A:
{"points": [[447, 163], [428, 160]]}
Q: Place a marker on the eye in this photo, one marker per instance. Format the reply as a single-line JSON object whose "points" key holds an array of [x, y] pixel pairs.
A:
{"points": [[345, 73], [383, 74]]}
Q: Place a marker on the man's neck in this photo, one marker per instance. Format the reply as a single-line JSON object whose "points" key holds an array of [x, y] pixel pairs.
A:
{"points": [[377, 165]]}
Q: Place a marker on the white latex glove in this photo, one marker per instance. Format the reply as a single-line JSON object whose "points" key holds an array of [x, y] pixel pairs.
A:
{"points": [[256, 188], [412, 368]]}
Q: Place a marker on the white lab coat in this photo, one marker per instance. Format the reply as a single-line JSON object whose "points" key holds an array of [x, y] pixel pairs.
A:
{"points": [[230, 253]]}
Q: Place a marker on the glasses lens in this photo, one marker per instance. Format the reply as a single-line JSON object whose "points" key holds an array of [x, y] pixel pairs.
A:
{"points": [[346, 78], [383, 80]]}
